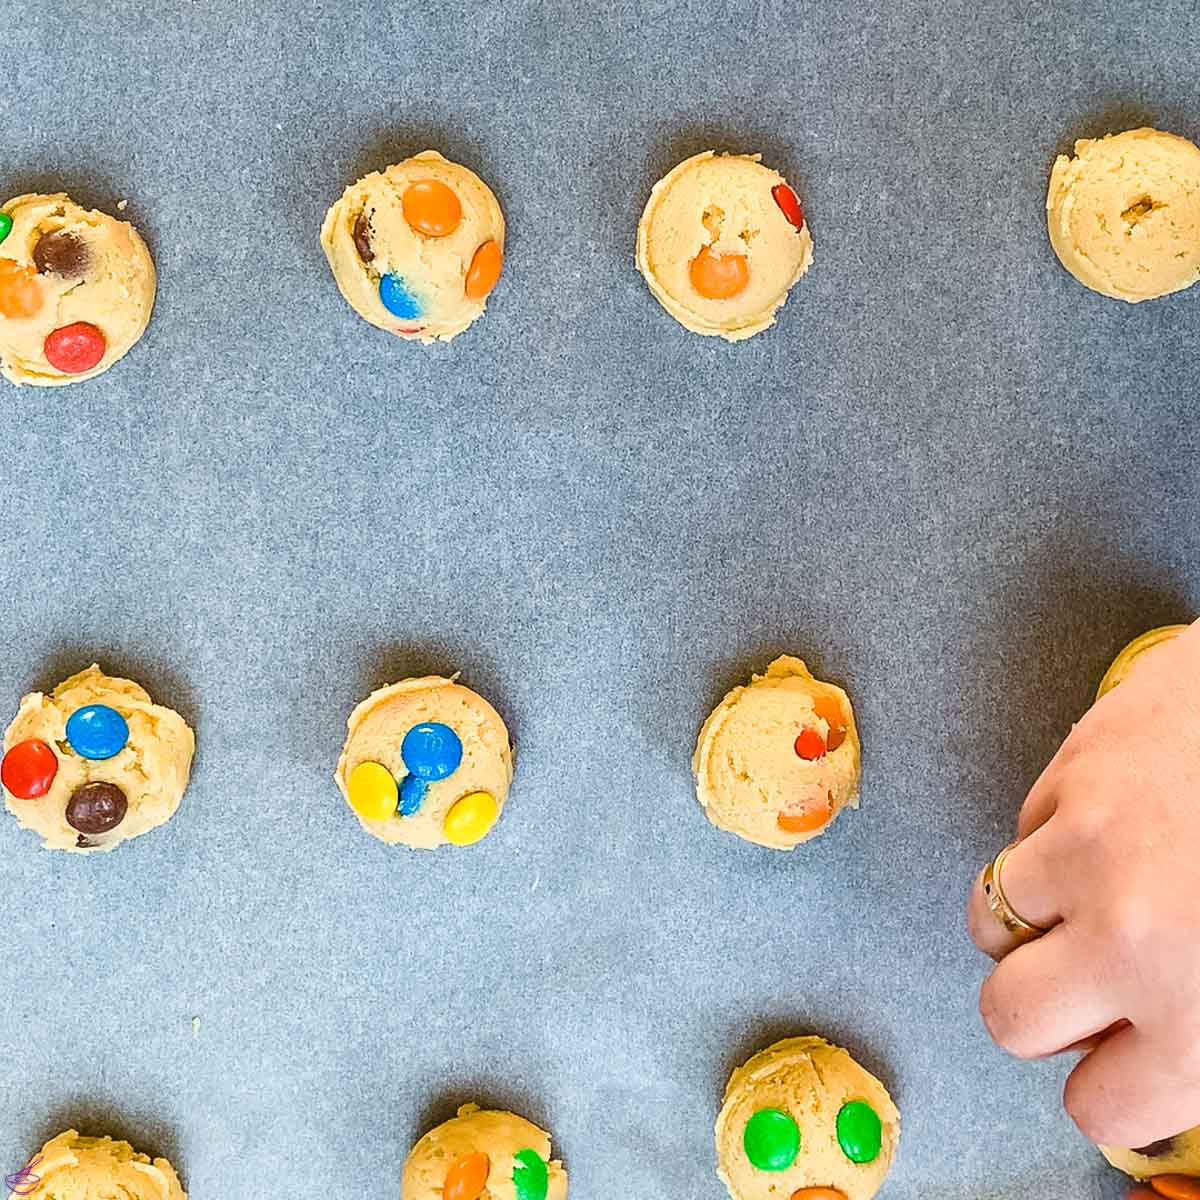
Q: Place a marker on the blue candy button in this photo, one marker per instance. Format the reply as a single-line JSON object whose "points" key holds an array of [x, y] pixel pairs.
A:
{"points": [[431, 751], [97, 731], [413, 790], [397, 299]]}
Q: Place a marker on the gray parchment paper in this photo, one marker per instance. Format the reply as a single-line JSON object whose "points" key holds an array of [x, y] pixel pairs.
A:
{"points": [[951, 478]]}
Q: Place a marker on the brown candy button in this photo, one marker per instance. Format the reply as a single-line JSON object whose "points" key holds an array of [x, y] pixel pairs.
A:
{"points": [[96, 808], [362, 237], [61, 254], [1156, 1149]]}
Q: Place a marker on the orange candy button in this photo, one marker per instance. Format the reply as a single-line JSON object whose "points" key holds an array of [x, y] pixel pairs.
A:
{"points": [[800, 817], [810, 745], [467, 1178], [830, 711], [719, 276], [1177, 1187], [818, 1194], [485, 270], [20, 291], [432, 208]]}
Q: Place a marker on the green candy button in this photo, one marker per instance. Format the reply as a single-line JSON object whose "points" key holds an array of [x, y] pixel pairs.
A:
{"points": [[5, 226], [859, 1132], [771, 1140], [530, 1177]]}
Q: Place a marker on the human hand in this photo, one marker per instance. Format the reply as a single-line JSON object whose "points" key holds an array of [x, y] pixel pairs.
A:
{"points": [[1108, 862]]}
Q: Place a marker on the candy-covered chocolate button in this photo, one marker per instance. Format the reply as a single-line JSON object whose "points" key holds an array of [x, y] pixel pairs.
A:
{"points": [[818, 1193], [28, 769], [413, 790], [771, 1140], [431, 751], [20, 290], [74, 349], [829, 710], [485, 270], [859, 1132], [531, 1177], [362, 237], [96, 808], [467, 1177], [372, 791], [63, 254], [5, 226], [471, 818], [397, 299], [97, 731], [789, 205], [805, 814], [810, 745], [719, 276], [432, 208]]}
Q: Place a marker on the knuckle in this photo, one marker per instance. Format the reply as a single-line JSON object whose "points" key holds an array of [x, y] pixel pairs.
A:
{"points": [[1002, 1021]]}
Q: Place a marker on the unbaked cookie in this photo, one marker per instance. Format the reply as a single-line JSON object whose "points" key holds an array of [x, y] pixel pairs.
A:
{"points": [[426, 762], [1124, 214], [1179, 1155], [95, 763], [417, 249], [483, 1155], [803, 1121], [721, 242], [1124, 662], [778, 759], [72, 1167], [76, 290]]}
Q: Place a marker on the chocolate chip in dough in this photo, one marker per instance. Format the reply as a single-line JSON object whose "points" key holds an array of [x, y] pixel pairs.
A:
{"points": [[96, 808], [1157, 1149], [62, 254], [84, 843], [362, 237]]}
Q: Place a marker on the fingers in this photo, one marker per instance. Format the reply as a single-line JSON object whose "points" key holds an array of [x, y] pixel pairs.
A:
{"points": [[1047, 997], [1040, 805], [1028, 879], [1129, 1092]]}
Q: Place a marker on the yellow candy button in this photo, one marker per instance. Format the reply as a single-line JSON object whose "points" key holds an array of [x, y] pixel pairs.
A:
{"points": [[373, 792], [471, 818]]}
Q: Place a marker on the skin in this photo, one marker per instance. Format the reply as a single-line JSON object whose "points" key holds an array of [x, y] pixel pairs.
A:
{"points": [[1109, 861]]}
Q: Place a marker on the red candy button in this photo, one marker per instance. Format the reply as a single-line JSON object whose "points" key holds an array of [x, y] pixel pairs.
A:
{"points": [[74, 349], [789, 205], [29, 769], [810, 745]]}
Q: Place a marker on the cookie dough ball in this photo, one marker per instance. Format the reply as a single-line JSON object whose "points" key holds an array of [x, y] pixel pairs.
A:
{"points": [[417, 249], [803, 1121], [76, 290], [426, 762], [72, 1167], [483, 1155], [1125, 661], [1124, 214], [1179, 1155], [778, 759], [721, 241], [95, 763]]}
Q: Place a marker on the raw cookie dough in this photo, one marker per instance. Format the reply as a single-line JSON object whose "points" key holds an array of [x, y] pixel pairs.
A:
{"points": [[721, 242], [60, 779], [76, 290], [1124, 214], [426, 762], [1124, 662], [1179, 1155], [416, 249], [802, 1114], [483, 1155], [71, 1167], [778, 759]]}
